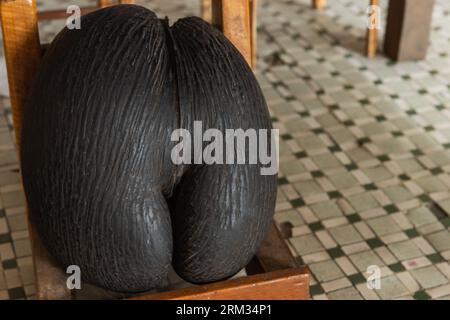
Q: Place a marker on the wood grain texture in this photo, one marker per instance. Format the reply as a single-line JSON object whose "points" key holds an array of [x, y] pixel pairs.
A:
{"points": [[319, 4], [23, 55], [289, 284], [103, 191], [372, 33], [206, 10], [233, 19]]}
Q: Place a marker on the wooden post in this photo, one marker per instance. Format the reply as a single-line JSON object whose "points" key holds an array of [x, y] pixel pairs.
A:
{"points": [[287, 284], [408, 29], [253, 26], [126, 1], [372, 28], [206, 10], [319, 4], [233, 18], [23, 54], [103, 3]]}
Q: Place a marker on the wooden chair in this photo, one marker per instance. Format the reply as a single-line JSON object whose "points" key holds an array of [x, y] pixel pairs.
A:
{"points": [[407, 29], [272, 274]]}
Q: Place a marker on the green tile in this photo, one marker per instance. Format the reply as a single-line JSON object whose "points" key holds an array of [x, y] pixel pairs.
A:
{"points": [[357, 278], [334, 194], [446, 222], [375, 243], [435, 258], [370, 187], [316, 226], [412, 233], [297, 203], [282, 181], [316, 289], [391, 208], [353, 218], [421, 295], [335, 252], [299, 261], [397, 267]]}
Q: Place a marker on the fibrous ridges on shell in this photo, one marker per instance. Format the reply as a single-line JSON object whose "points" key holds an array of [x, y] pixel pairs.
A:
{"points": [[102, 189]]}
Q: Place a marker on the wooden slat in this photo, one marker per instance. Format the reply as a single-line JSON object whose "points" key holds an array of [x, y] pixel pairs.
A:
{"points": [[206, 10], [23, 54], [253, 26], [319, 4], [233, 18], [288, 284], [62, 14], [103, 3], [371, 36]]}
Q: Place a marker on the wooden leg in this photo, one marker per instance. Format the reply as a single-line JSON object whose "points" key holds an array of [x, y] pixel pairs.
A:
{"points": [[253, 26], [126, 1], [408, 29], [371, 38], [288, 284], [23, 54], [319, 4], [233, 18], [103, 3], [206, 10]]}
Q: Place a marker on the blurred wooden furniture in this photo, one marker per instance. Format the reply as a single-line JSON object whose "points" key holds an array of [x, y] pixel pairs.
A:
{"points": [[237, 20], [407, 29], [22, 48], [61, 14]]}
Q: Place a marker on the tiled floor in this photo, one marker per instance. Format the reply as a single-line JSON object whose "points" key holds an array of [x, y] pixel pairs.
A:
{"points": [[365, 154]]}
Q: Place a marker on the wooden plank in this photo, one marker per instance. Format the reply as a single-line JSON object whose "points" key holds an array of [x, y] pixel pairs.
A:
{"points": [[408, 29], [253, 26], [23, 54], [372, 37], [206, 10], [62, 14], [319, 4], [274, 254], [233, 18], [288, 284], [103, 3]]}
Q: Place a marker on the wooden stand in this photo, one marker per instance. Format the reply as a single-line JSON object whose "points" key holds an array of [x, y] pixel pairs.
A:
{"points": [[408, 29], [23, 54]]}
